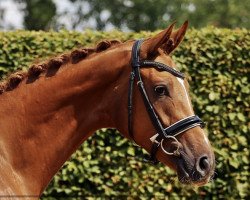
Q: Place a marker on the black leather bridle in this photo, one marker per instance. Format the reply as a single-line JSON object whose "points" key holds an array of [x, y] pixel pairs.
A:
{"points": [[162, 133]]}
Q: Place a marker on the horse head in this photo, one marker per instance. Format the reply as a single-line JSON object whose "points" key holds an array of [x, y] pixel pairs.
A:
{"points": [[161, 117]]}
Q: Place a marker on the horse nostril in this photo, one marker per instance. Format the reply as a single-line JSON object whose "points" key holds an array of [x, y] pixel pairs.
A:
{"points": [[203, 165]]}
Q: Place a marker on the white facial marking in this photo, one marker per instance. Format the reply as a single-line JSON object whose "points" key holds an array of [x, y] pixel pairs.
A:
{"points": [[181, 81], [186, 94]]}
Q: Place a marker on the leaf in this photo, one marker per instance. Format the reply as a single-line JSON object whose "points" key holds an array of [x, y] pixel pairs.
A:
{"points": [[234, 163], [108, 149], [131, 151], [213, 96], [241, 117], [232, 116]]}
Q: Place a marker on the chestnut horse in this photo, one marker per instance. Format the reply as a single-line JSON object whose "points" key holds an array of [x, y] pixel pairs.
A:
{"points": [[48, 111]]}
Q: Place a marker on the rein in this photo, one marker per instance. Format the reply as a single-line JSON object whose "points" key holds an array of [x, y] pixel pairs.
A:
{"points": [[162, 133]]}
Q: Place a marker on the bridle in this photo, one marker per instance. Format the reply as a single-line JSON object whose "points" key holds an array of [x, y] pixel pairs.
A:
{"points": [[162, 133]]}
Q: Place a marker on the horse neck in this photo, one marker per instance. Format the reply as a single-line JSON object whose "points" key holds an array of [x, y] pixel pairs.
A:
{"points": [[60, 112]]}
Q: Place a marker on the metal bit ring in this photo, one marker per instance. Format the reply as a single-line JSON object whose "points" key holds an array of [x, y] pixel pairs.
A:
{"points": [[176, 152]]}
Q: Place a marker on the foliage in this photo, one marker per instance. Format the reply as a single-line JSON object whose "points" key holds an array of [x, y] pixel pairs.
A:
{"points": [[107, 165], [140, 15]]}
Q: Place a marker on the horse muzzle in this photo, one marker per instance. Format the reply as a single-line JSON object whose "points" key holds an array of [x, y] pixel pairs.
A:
{"points": [[197, 171]]}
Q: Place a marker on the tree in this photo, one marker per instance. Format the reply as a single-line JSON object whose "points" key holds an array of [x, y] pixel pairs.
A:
{"points": [[154, 14], [38, 14], [221, 13]]}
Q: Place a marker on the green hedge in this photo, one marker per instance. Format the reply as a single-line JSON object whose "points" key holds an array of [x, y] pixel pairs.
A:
{"points": [[218, 62]]}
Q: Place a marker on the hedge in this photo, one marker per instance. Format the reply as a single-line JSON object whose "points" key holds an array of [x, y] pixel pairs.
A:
{"points": [[107, 165]]}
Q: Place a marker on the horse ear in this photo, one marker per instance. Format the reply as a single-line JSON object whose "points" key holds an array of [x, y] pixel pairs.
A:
{"points": [[151, 45], [175, 38]]}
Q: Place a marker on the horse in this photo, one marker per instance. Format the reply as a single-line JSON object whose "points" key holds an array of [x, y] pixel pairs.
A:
{"points": [[48, 111]]}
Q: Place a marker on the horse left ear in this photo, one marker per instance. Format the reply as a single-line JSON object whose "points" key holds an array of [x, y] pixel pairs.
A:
{"points": [[175, 38], [151, 45]]}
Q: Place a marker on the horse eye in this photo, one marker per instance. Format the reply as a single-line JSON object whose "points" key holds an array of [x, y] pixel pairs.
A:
{"points": [[161, 90]]}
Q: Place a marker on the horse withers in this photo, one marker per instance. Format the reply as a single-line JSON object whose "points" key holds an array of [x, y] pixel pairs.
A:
{"points": [[132, 86]]}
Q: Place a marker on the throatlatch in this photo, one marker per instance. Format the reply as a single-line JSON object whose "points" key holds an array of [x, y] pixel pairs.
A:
{"points": [[162, 133]]}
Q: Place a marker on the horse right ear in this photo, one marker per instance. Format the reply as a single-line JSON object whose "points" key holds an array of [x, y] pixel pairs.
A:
{"points": [[151, 45], [175, 38]]}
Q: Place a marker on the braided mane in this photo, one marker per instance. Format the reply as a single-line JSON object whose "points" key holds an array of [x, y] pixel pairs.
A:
{"points": [[55, 63]]}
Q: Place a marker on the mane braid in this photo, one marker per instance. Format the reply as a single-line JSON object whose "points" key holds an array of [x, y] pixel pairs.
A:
{"points": [[54, 63]]}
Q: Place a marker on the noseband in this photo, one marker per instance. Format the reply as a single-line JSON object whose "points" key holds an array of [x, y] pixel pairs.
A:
{"points": [[162, 133]]}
